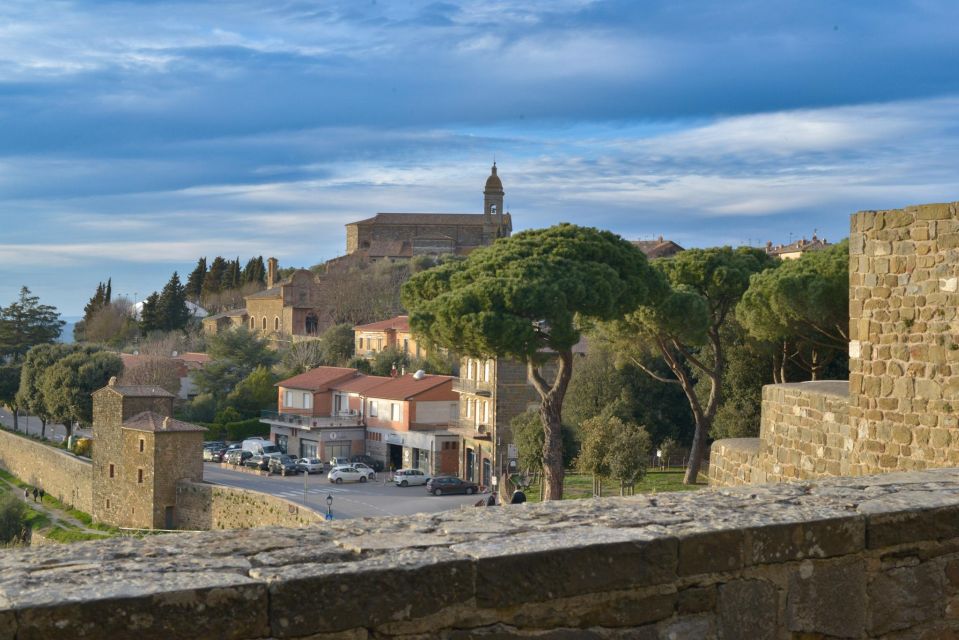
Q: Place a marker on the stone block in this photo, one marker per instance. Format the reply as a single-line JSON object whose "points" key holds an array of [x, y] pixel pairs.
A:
{"points": [[711, 552], [827, 598], [748, 609], [701, 627], [813, 538], [907, 596]]}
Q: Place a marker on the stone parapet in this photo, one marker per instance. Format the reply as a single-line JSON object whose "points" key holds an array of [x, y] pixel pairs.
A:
{"points": [[63, 475], [872, 557], [731, 461], [203, 507]]}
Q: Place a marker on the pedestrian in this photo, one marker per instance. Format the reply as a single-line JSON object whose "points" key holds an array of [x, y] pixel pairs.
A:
{"points": [[42, 493], [26, 493], [518, 497], [35, 494]]}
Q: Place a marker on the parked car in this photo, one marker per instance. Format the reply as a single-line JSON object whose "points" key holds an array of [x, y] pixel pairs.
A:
{"points": [[283, 465], [214, 443], [237, 456], [339, 475], [258, 461], [450, 484], [407, 477], [311, 465], [208, 453], [364, 468], [376, 465], [218, 455]]}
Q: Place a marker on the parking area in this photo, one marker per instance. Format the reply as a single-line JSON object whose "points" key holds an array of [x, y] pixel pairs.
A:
{"points": [[353, 500]]}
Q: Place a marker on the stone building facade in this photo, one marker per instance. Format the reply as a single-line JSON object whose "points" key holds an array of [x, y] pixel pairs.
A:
{"points": [[903, 391], [403, 235], [140, 453]]}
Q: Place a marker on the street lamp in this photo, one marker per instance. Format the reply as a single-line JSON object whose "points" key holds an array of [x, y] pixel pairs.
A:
{"points": [[329, 507]]}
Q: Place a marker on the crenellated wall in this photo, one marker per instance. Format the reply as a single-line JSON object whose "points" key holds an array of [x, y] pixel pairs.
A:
{"points": [[899, 409], [870, 557]]}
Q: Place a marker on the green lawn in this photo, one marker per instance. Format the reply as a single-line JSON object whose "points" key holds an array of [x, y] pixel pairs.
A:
{"points": [[577, 485]]}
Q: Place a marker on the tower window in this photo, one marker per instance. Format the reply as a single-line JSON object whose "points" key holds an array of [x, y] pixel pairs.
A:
{"points": [[111, 471], [141, 445], [492, 209], [140, 476], [108, 503]]}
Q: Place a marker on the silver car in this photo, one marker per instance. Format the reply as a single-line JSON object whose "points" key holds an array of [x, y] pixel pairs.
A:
{"points": [[311, 465], [409, 477]]}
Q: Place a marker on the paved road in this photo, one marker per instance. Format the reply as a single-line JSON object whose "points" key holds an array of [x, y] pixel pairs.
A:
{"points": [[354, 500], [31, 425]]}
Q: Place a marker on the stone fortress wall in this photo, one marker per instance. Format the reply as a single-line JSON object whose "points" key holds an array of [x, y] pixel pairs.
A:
{"points": [[899, 411], [869, 557], [66, 477], [203, 507]]}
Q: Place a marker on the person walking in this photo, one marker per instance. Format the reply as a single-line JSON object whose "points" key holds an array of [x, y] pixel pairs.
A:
{"points": [[26, 493], [35, 494], [42, 493]]}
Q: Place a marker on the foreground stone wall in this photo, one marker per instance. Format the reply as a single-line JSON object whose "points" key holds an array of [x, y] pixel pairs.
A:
{"points": [[63, 475], [874, 557], [205, 507]]}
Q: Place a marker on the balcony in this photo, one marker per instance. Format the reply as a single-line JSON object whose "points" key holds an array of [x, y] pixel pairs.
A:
{"points": [[468, 428], [474, 387], [310, 422]]}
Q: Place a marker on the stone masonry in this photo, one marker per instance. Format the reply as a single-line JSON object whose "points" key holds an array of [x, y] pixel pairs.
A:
{"points": [[869, 557], [900, 409], [63, 475]]}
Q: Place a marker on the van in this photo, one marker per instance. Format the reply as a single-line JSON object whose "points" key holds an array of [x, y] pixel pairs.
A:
{"points": [[260, 447]]}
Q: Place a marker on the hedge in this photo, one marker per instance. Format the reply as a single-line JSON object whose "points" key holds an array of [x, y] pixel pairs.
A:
{"points": [[234, 431]]}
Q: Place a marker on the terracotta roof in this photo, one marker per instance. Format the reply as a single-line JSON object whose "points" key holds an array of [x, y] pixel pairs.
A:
{"points": [[360, 383], [658, 248], [194, 356], [452, 219], [399, 323], [318, 379], [136, 391], [406, 387], [150, 421], [800, 246], [272, 292]]}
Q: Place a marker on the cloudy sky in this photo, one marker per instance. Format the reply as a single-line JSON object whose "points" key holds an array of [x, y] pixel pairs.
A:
{"points": [[137, 136]]}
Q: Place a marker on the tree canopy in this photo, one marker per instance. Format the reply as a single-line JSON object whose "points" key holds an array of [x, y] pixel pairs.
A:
{"points": [[25, 324], [802, 305], [523, 297], [68, 383]]}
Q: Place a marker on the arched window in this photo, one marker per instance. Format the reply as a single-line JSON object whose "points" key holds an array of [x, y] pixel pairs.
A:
{"points": [[263, 324], [276, 323], [492, 209], [252, 324]]}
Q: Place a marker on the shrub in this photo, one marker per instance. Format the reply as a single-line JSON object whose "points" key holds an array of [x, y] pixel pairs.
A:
{"points": [[13, 519]]}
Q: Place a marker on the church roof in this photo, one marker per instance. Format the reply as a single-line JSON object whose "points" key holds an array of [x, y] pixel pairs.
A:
{"points": [[272, 292], [659, 248], [136, 390], [450, 219], [150, 421]]}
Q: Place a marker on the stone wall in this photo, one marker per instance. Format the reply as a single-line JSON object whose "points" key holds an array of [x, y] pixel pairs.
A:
{"points": [[903, 390], [874, 557], [63, 475], [732, 461], [205, 507]]}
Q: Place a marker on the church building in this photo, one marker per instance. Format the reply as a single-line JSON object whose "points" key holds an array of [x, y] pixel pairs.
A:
{"points": [[404, 235]]}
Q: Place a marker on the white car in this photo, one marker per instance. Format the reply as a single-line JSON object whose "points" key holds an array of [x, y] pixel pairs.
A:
{"points": [[365, 468], [409, 477], [339, 475], [311, 465]]}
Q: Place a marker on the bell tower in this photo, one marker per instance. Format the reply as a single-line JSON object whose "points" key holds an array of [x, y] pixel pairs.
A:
{"points": [[493, 200]]}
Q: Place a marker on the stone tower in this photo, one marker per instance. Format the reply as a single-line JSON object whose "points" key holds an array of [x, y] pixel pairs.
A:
{"points": [[139, 455], [493, 201]]}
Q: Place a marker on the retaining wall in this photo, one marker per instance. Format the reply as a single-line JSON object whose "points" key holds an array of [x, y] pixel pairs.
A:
{"points": [[871, 557], [202, 506], [63, 475]]}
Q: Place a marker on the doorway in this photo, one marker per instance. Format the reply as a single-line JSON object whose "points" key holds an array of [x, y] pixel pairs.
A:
{"points": [[396, 456], [470, 462], [168, 518]]}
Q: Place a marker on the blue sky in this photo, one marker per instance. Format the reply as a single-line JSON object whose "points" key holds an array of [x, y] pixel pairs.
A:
{"points": [[138, 136]]}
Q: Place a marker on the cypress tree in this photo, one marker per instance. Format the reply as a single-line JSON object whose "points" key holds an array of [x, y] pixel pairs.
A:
{"points": [[194, 283], [150, 314], [171, 308], [211, 284], [108, 293]]}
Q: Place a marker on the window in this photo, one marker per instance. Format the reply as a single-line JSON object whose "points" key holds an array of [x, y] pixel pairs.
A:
{"points": [[487, 370], [111, 470], [140, 476], [264, 323], [142, 442], [252, 324], [276, 323], [469, 369], [372, 408], [108, 503], [406, 345], [307, 401], [469, 408], [288, 399], [485, 411], [394, 411]]}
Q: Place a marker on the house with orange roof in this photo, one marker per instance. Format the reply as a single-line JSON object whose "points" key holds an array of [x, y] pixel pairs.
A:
{"points": [[387, 334], [408, 420]]}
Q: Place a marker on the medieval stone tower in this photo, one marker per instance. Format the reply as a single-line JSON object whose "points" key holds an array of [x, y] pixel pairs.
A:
{"points": [[139, 454]]}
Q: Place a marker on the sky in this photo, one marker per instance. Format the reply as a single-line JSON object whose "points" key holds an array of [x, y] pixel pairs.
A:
{"points": [[138, 136]]}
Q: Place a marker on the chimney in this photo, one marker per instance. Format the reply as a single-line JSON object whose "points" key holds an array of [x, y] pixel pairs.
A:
{"points": [[113, 381], [166, 423], [271, 267]]}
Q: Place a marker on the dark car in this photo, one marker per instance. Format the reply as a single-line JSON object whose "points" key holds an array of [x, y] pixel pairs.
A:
{"points": [[260, 462], [450, 484], [283, 465], [237, 456], [376, 465]]}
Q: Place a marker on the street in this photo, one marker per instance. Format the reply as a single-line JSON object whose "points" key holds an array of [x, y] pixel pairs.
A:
{"points": [[354, 500], [31, 425]]}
